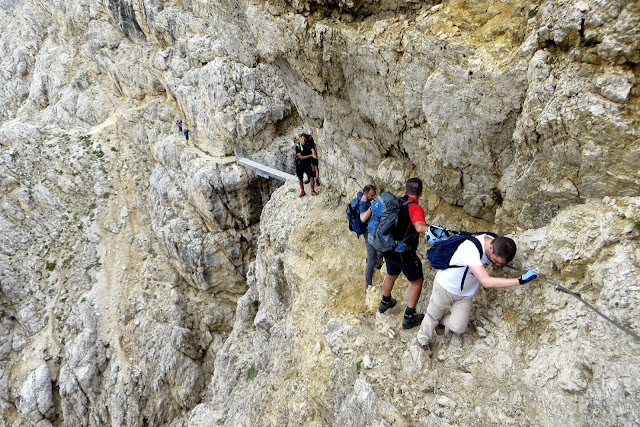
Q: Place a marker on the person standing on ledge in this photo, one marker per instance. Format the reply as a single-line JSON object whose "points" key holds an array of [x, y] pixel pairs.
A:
{"points": [[411, 223], [304, 154], [454, 288], [186, 134], [314, 159]]}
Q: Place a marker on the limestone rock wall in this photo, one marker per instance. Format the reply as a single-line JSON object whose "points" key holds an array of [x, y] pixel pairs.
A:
{"points": [[500, 107], [124, 250], [146, 281]]}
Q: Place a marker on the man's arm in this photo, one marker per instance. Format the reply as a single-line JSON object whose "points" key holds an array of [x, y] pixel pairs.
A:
{"points": [[301, 157], [313, 153], [364, 216], [421, 227], [490, 282]]}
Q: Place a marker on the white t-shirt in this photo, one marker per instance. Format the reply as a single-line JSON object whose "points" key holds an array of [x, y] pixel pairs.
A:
{"points": [[467, 254]]}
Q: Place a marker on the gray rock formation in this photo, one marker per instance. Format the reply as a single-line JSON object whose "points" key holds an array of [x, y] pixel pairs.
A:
{"points": [[147, 281]]}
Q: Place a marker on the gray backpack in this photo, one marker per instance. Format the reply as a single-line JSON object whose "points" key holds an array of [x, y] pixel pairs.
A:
{"points": [[384, 218]]}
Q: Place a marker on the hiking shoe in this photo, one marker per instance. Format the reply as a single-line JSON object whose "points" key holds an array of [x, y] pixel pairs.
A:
{"points": [[302, 193], [411, 320], [314, 193], [425, 347], [306, 181], [384, 306], [440, 329], [318, 181], [378, 264]]}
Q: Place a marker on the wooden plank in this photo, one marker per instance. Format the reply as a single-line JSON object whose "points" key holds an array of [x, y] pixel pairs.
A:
{"points": [[262, 169]]}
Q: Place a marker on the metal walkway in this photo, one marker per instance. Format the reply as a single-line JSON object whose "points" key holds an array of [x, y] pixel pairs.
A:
{"points": [[260, 169]]}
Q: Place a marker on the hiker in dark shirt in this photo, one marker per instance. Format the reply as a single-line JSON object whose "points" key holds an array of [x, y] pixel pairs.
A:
{"points": [[179, 124], [314, 159], [186, 134], [411, 223], [304, 154]]}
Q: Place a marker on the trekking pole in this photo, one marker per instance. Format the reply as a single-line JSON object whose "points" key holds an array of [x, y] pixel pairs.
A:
{"points": [[561, 288]]}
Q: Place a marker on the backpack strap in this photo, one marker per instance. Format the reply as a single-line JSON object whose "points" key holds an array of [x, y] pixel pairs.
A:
{"points": [[478, 245], [406, 204]]}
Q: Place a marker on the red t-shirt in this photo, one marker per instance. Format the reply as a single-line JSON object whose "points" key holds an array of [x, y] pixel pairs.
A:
{"points": [[416, 212]]}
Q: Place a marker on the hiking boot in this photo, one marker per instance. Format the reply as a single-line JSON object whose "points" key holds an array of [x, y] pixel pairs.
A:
{"points": [[426, 348], [302, 193], [378, 264], [411, 320], [306, 181], [440, 329], [314, 193], [318, 181], [384, 306]]}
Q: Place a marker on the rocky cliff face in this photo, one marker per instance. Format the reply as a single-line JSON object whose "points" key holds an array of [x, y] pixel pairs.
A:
{"points": [[150, 281]]}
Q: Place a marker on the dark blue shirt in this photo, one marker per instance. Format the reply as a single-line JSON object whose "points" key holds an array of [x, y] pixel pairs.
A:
{"points": [[362, 208]]}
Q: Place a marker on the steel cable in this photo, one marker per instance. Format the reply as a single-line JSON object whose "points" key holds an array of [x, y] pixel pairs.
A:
{"points": [[576, 295]]}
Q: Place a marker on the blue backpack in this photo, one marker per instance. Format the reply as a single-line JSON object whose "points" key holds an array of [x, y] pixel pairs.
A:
{"points": [[353, 216], [441, 252], [384, 218]]}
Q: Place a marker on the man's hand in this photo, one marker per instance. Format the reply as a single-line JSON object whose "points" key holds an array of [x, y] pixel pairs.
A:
{"points": [[527, 277]]}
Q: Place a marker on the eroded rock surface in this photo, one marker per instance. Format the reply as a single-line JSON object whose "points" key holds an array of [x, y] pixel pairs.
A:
{"points": [[150, 281]]}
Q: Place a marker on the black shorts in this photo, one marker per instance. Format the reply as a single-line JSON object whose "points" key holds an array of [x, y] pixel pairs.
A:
{"points": [[302, 168], [407, 263], [314, 162]]}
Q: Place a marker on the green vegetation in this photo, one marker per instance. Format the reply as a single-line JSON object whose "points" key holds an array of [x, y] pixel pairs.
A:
{"points": [[636, 224], [252, 373], [50, 266], [86, 140], [359, 366], [256, 304]]}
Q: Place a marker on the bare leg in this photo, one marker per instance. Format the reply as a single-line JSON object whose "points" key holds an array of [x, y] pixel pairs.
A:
{"points": [[414, 293], [388, 283]]}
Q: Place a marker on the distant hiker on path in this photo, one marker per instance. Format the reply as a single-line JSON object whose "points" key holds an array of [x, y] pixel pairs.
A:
{"points": [[314, 159], [454, 288], [366, 196], [411, 221], [304, 154], [179, 124], [186, 134]]}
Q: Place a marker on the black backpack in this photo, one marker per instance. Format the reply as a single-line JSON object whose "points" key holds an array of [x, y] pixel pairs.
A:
{"points": [[440, 253]]}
